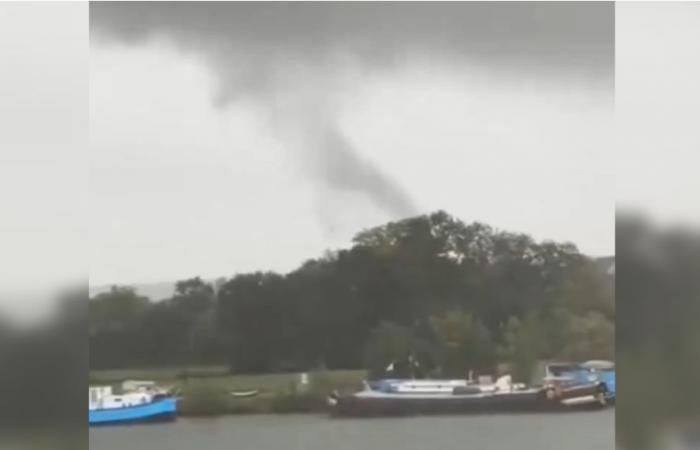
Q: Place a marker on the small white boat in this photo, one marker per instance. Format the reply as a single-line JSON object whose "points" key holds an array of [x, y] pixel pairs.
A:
{"points": [[243, 394]]}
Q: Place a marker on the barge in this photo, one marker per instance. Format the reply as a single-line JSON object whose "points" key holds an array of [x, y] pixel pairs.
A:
{"points": [[426, 397]]}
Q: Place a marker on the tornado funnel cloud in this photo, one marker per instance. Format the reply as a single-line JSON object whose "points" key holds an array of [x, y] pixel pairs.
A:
{"points": [[342, 168]]}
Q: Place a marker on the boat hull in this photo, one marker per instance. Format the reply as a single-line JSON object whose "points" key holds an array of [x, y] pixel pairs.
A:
{"points": [[528, 401], [163, 410]]}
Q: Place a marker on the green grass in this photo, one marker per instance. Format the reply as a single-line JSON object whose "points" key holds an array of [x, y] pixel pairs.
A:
{"points": [[219, 378], [206, 390], [159, 373]]}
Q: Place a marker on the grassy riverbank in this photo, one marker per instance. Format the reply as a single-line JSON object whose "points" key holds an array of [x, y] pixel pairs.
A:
{"points": [[207, 390]]}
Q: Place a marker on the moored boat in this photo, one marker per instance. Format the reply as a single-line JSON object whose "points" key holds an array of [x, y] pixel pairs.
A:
{"points": [[107, 408], [605, 373], [243, 394], [580, 376], [415, 397]]}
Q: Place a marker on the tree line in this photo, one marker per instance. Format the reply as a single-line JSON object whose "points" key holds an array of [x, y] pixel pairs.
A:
{"points": [[451, 295]]}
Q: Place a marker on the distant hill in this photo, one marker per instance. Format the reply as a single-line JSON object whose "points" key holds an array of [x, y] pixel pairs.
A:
{"points": [[154, 291]]}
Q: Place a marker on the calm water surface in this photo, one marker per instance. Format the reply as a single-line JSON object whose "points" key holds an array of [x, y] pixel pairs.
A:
{"points": [[572, 431]]}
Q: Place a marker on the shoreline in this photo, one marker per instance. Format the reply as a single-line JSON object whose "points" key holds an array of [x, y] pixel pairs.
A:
{"points": [[208, 391]]}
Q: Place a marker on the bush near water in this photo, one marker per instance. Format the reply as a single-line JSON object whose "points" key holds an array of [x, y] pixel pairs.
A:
{"points": [[201, 397]]}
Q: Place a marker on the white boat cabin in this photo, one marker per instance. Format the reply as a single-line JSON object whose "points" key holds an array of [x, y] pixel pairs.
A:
{"points": [[102, 397]]}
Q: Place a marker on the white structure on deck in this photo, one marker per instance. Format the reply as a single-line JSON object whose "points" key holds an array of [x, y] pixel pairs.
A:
{"points": [[503, 384], [138, 386], [428, 386], [102, 397]]}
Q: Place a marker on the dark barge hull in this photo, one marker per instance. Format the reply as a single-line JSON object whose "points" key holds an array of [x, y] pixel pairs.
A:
{"points": [[526, 402]]}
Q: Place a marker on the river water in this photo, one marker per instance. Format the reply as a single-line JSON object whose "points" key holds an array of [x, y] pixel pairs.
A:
{"points": [[593, 430]]}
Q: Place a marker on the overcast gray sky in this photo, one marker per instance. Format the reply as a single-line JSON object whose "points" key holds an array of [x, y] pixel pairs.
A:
{"points": [[229, 137]]}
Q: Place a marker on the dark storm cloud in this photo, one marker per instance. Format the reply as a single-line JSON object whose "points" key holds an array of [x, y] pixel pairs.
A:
{"points": [[577, 36], [257, 49]]}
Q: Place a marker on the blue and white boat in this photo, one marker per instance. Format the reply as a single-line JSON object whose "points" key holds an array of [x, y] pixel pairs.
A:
{"points": [[146, 405], [605, 372], [582, 375]]}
